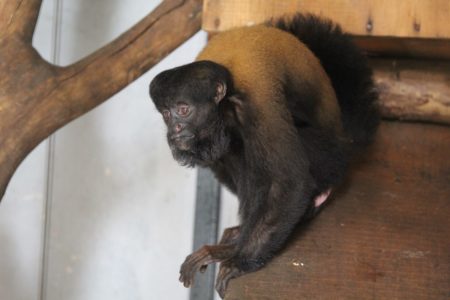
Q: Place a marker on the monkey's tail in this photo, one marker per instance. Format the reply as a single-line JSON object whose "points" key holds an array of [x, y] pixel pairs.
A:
{"points": [[347, 68]]}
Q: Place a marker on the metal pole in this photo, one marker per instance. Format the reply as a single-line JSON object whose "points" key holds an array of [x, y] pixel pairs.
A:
{"points": [[207, 210]]}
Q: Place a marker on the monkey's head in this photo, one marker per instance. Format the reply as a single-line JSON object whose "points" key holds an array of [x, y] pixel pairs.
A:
{"points": [[189, 98]]}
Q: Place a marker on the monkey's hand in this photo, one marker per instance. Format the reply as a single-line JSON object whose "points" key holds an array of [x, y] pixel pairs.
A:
{"points": [[200, 259]]}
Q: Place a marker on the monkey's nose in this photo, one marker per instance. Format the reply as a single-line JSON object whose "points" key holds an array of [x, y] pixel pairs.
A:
{"points": [[178, 127]]}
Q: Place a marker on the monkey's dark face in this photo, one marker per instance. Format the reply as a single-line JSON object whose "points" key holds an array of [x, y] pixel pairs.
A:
{"points": [[192, 130], [182, 120], [188, 99]]}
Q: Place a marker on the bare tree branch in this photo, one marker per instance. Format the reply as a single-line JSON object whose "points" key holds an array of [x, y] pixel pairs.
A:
{"points": [[37, 98], [19, 17]]}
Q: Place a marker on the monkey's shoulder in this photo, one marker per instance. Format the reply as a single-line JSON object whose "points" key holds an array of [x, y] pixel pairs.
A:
{"points": [[259, 48], [263, 60], [263, 57]]}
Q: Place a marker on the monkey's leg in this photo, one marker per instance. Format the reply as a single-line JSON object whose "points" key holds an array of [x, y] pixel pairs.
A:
{"points": [[205, 255], [229, 236], [253, 252], [260, 240]]}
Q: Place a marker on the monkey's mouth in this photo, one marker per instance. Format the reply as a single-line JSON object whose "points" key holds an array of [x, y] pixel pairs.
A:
{"points": [[182, 142]]}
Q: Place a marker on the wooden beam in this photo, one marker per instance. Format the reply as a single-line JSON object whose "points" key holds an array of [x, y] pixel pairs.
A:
{"points": [[414, 90], [414, 18], [37, 98], [410, 28], [404, 47]]}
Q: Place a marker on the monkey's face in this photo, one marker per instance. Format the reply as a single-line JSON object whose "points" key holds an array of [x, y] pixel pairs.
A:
{"points": [[188, 97], [195, 132], [188, 123], [195, 129]]}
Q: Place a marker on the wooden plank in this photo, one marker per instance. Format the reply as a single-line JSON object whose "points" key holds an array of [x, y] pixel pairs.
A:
{"points": [[401, 18], [384, 235], [404, 47], [394, 28]]}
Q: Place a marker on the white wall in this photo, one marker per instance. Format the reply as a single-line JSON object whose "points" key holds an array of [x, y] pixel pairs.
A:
{"points": [[119, 210]]}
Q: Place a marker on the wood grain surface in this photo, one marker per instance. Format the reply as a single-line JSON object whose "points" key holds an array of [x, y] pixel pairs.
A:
{"points": [[400, 18], [384, 235], [407, 28]]}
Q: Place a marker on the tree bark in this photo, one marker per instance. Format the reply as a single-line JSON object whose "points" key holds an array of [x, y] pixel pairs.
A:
{"points": [[37, 98]]}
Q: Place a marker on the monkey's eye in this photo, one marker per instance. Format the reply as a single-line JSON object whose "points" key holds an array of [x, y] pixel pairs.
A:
{"points": [[183, 109], [166, 114]]}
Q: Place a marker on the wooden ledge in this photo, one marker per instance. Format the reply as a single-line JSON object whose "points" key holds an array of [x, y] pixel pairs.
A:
{"points": [[385, 235]]}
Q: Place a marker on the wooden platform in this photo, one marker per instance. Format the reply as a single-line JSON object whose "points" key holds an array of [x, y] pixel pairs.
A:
{"points": [[385, 234]]}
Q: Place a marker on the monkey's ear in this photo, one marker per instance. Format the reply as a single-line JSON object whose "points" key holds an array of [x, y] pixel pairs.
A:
{"points": [[221, 91], [238, 107]]}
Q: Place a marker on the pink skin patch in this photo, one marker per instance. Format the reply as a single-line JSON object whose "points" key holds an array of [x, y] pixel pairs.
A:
{"points": [[319, 200]]}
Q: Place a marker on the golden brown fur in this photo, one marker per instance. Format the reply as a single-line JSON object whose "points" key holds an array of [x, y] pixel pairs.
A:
{"points": [[262, 59]]}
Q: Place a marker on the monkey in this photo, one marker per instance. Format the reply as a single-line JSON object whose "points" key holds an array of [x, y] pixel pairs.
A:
{"points": [[276, 111]]}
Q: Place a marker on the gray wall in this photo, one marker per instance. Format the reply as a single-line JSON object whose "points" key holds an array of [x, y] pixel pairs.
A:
{"points": [[101, 211]]}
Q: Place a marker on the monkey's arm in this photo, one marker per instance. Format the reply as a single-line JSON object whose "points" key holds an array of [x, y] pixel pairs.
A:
{"points": [[279, 187], [248, 247], [208, 254], [266, 231]]}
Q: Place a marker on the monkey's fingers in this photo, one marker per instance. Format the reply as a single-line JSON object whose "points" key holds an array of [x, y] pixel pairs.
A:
{"points": [[187, 273], [197, 261], [188, 283]]}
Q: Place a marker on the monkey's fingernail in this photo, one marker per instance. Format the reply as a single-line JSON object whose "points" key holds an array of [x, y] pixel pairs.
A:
{"points": [[181, 279]]}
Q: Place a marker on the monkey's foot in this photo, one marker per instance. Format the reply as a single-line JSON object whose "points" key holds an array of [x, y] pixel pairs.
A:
{"points": [[227, 271]]}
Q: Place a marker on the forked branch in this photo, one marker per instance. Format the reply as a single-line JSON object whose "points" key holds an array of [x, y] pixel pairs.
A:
{"points": [[37, 98]]}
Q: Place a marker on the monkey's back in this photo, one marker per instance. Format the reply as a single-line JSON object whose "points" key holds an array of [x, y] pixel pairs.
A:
{"points": [[264, 60], [346, 66]]}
